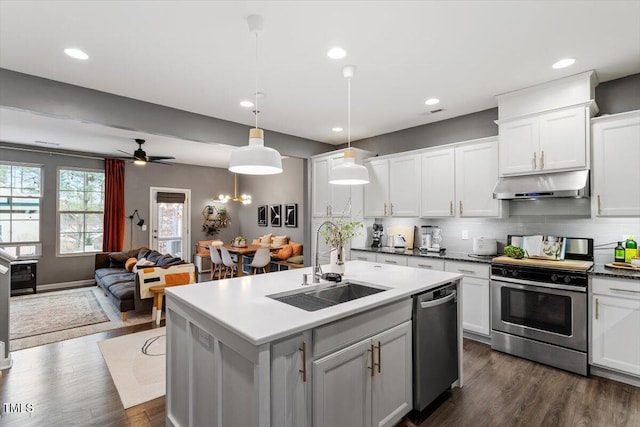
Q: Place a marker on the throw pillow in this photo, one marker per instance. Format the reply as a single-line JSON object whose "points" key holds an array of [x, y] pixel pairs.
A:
{"points": [[142, 262], [297, 248], [285, 252], [279, 241], [265, 240], [130, 263], [296, 259], [118, 259]]}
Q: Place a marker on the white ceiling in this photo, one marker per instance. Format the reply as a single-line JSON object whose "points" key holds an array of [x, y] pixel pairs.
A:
{"points": [[199, 56]]}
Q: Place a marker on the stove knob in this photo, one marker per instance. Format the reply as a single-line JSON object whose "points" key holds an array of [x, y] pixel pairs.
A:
{"points": [[503, 272], [567, 279], [514, 273], [554, 278]]}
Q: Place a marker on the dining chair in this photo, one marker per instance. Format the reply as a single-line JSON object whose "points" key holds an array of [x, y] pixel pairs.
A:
{"points": [[216, 262], [230, 266], [261, 259]]}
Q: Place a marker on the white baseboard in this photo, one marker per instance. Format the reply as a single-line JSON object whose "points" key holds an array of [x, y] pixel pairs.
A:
{"points": [[65, 285], [614, 375]]}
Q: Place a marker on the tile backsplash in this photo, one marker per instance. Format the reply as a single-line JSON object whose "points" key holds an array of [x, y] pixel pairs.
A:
{"points": [[604, 231]]}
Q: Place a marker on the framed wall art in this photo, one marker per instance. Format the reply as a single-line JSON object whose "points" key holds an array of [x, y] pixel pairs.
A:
{"points": [[262, 215], [276, 215], [291, 215]]}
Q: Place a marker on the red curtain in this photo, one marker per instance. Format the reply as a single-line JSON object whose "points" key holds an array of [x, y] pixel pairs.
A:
{"points": [[114, 216]]}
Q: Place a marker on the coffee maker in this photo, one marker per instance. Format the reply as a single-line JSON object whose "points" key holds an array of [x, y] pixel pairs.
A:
{"points": [[376, 241], [426, 238]]}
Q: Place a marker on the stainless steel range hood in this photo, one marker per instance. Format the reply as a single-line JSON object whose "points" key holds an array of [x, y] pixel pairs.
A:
{"points": [[573, 184]]}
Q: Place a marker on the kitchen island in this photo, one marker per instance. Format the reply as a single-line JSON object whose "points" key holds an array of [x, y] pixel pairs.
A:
{"points": [[237, 357]]}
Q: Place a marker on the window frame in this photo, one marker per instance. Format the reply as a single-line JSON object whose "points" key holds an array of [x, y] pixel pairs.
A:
{"points": [[59, 212], [16, 246]]}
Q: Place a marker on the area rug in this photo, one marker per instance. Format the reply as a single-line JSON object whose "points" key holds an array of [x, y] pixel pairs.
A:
{"points": [[137, 365], [50, 314], [39, 314]]}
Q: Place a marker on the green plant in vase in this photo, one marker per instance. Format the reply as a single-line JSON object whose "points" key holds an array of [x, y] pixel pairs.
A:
{"points": [[337, 237]]}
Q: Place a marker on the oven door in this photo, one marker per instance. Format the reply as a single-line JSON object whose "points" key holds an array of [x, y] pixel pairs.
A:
{"points": [[535, 311]]}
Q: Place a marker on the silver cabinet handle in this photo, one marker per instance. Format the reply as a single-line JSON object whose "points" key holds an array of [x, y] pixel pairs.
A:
{"points": [[391, 209], [535, 161], [425, 265], [379, 357], [371, 350], [466, 271], [385, 209], [599, 205], [362, 258], [460, 207], [542, 159], [596, 308], [388, 261], [625, 290], [303, 371], [451, 207]]}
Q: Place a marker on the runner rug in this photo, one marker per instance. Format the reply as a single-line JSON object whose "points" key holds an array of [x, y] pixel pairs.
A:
{"points": [[137, 365]]}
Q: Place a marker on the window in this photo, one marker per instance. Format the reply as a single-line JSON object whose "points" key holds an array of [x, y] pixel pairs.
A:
{"points": [[80, 211], [20, 198]]}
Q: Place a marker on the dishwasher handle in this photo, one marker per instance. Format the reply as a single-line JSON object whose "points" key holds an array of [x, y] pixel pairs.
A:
{"points": [[437, 302]]}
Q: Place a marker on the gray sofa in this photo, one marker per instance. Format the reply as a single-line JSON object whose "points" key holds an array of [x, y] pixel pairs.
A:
{"points": [[121, 286]]}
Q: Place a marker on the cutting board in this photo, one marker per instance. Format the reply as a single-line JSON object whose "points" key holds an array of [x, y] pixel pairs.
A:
{"points": [[405, 231], [622, 265], [572, 264]]}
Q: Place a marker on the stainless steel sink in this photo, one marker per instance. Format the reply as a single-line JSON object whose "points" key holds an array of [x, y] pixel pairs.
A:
{"points": [[324, 297]]}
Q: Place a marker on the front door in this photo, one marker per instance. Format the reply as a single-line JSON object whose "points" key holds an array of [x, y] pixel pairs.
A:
{"points": [[170, 224]]}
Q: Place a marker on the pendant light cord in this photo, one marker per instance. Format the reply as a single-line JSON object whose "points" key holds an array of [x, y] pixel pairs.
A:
{"points": [[256, 94], [349, 112]]}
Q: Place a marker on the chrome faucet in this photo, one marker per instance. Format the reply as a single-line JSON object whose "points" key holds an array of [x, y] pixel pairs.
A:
{"points": [[315, 267]]}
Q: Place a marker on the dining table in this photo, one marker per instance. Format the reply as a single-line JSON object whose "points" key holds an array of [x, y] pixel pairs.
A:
{"points": [[242, 252]]}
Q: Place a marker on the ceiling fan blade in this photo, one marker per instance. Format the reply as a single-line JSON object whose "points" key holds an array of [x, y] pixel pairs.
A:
{"points": [[160, 162], [154, 158], [128, 154]]}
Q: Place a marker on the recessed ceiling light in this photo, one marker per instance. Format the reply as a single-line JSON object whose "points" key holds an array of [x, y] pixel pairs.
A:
{"points": [[336, 53], [337, 129], [76, 53], [432, 101], [246, 104], [563, 63]]}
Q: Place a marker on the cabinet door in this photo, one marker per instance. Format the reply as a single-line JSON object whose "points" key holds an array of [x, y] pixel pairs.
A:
{"points": [[615, 337], [563, 140], [476, 175], [616, 165], [320, 187], [404, 186], [518, 143], [475, 306], [342, 387], [437, 195], [376, 193], [340, 195], [392, 380], [291, 382]]}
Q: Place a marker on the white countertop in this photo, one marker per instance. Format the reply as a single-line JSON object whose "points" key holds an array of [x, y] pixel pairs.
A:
{"points": [[242, 306]]}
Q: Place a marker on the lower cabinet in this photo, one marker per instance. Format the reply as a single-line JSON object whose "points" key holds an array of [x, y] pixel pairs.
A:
{"points": [[363, 256], [392, 259], [291, 382], [476, 312], [366, 384], [615, 321]]}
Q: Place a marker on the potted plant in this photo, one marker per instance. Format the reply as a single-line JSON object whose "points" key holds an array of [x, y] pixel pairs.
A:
{"points": [[337, 236]]}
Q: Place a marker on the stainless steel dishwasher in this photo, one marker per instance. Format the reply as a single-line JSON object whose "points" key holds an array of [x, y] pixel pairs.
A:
{"points": [[435, 344]]}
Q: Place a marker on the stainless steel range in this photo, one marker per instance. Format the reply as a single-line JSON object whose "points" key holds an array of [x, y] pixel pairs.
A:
{"points": [[539, 307]]}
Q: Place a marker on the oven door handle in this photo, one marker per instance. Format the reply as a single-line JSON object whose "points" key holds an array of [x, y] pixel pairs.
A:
{"points": [[538, 284]]}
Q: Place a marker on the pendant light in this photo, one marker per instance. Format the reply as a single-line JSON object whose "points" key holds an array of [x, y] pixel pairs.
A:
{"points": [[255, 158], [348, 172], [245, 199]]}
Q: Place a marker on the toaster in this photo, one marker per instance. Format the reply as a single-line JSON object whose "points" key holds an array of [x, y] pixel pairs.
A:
{"points": [[482, 246]]}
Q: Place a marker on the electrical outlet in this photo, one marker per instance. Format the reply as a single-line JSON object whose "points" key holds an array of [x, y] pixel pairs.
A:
{"points": [[465, 234], [144, 227]]}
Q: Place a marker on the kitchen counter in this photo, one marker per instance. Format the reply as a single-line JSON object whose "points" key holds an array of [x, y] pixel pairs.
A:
{"points": [[619, 273], [242, 305], [449, 255]]}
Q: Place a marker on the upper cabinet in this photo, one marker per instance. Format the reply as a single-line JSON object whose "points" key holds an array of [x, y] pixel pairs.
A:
{"points": [[545, 128], [328, 200], [546, 142], [459, 180], [616, 164], [394, 187]]}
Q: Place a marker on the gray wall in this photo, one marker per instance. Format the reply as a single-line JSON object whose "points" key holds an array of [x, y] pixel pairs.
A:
{"points": [[281, 189], [53, 269]]}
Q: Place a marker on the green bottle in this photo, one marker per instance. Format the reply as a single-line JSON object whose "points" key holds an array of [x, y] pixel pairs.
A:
{"points": [[631, 249], [619, 253]]}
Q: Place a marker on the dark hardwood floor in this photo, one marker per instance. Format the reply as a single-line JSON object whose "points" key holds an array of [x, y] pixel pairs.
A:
{"points": [[69, 384]]}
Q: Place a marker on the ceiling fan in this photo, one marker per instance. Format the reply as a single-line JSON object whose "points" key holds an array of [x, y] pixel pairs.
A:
{"points": [[140, 157]]}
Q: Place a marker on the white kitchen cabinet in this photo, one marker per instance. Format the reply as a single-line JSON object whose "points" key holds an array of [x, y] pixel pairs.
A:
{"points": [[476, 173], [426, 263], [437, 194], [459, 180], [615, 319], [551, 141], [366, 384], [291, 381], [476, 302], [328, 200], [616, 164], [394, 187]]}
